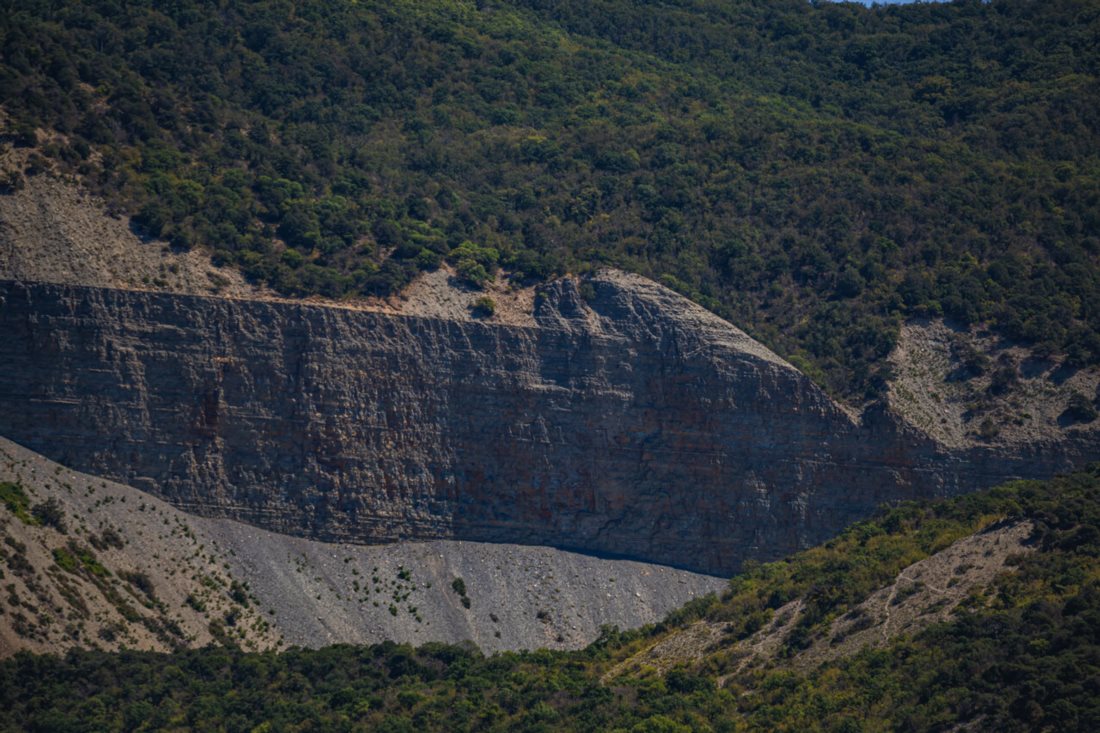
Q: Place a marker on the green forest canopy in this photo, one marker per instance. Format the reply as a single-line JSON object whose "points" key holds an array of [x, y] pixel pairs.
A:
{"points": [[814, 172], [1022, 655]]}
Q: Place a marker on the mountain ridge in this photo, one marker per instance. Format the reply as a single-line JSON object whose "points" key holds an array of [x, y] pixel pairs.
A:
{"points": [[903, 202]]}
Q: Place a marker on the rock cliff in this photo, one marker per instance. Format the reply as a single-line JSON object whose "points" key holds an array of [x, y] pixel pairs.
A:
{"points": [[626, 421]]}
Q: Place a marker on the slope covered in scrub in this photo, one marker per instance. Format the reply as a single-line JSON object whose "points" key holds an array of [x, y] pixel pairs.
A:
{"points": [[816, 172], [1021, 652]]}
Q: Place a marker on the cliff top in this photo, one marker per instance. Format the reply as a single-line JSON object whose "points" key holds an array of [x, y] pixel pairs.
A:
{"points": [[53, 231]]}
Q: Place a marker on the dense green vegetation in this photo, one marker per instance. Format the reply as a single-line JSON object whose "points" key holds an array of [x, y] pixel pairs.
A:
{"points": [[1021, 655], [814, 172]]}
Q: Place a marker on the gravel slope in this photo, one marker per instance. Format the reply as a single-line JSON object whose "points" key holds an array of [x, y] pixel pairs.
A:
{"points": [[307, 593]]}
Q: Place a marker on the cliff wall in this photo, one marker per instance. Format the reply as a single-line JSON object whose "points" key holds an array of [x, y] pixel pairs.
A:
{"points": [[629, 422]]}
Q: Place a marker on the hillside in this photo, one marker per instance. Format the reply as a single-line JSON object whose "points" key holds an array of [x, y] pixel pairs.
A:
{"points": [[110, 567], [819, 173], [962, 386], [399, 365], [999, 589]]}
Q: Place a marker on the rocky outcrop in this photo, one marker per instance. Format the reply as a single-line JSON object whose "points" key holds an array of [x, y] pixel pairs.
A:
{"points": [[627, 421]]}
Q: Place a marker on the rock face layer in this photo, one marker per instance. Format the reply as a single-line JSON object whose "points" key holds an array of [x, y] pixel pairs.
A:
{"points": [[627, 422]]}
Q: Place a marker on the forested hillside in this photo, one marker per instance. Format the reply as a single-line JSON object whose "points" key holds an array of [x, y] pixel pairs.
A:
{"points": [[1020, 654], [815, 172]]}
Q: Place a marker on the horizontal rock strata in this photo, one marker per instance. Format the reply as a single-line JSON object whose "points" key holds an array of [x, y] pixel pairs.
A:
{"points": [[627, 422]]}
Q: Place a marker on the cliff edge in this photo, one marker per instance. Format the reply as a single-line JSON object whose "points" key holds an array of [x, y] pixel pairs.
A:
{"points": [[625, 421]]}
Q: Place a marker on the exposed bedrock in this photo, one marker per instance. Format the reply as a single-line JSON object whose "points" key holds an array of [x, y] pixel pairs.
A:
{"points": [[628, 422]]}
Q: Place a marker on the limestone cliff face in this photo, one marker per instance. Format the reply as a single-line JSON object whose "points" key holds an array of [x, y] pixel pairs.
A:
{"points": [[630, 422]]}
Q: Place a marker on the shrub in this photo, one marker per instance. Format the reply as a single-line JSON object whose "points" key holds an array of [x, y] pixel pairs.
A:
{"points": [[476, 265], [50, 514], [15, 501], [458, 585], [65, 559], [108, 538], [473, 273], [239, 593], [1080, 409], [75, 558], [10, 182], [141, 581], [484, 307], [1003, 379]]}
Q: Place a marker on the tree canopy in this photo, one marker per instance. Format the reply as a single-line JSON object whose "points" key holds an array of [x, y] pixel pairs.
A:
{"points": [[815, 172]]}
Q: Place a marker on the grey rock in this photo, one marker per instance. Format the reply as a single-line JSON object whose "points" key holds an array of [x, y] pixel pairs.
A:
{"points": [[632, 423]]}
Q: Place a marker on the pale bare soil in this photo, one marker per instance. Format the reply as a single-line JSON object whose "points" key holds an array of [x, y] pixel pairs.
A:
{"points": [[52, 230], [46, 607], [934, 393], [926, 592], [299, 592], [440, 294]]}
